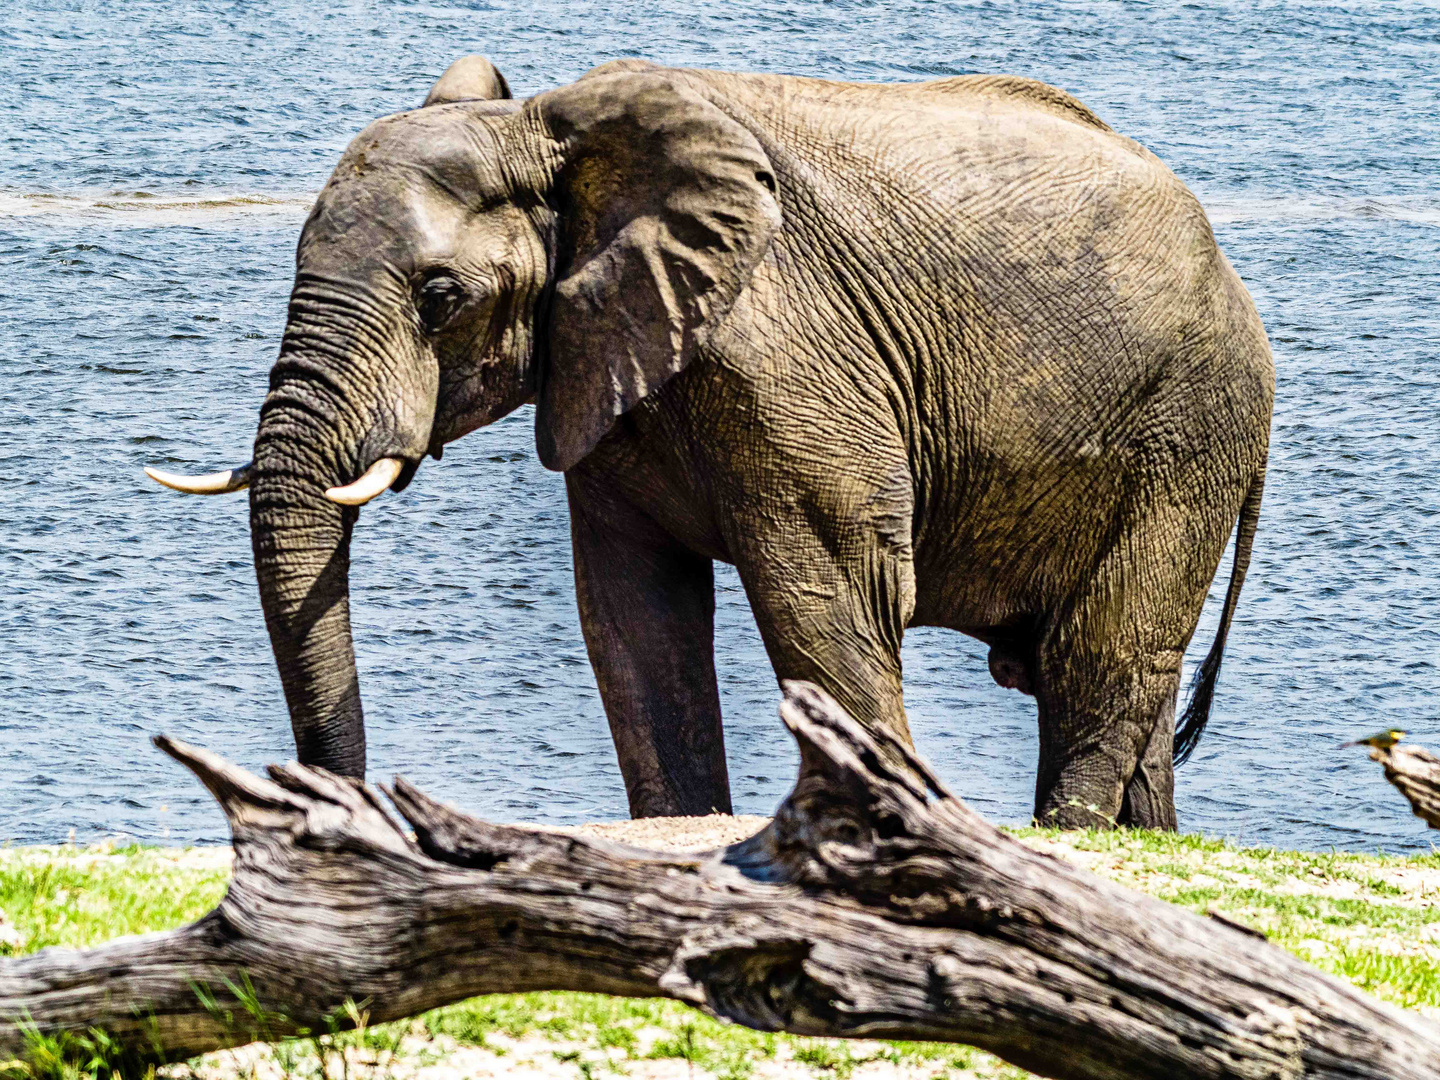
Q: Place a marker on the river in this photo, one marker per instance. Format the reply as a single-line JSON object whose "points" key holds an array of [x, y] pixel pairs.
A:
{"points": [[158, 160]]}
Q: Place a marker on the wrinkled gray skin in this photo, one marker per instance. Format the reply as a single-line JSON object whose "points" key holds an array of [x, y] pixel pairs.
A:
{"points": [[943, 354]]}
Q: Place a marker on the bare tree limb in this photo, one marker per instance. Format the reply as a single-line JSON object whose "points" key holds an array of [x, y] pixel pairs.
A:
{"points": [[876, 904], [1416, 772]]}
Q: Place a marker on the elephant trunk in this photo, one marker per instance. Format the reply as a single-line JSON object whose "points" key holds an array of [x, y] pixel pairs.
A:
{"points": [[349, 413], [301, 542]]}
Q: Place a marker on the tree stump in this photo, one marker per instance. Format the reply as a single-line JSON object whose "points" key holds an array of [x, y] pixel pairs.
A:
{"points": [[875, 905]]}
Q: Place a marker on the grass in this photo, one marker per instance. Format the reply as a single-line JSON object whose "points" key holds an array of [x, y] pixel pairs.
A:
{"points": [[82, 896], [618, 1031], [1370, 919]]}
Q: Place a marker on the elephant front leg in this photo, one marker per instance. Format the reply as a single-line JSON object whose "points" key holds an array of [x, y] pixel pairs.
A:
{"points": [[647, 608]]}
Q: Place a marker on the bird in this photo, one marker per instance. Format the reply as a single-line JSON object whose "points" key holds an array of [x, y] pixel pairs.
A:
{"points": [[1381, 740]]}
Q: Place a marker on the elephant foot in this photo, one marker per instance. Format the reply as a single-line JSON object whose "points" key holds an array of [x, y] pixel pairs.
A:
{"points": [[696, 795], [1073, 814], [1146, 802], [1149, 801]]}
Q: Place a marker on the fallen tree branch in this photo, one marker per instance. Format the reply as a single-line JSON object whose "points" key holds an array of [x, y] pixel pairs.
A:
{"points": [[875, 904], [1416, 772]]}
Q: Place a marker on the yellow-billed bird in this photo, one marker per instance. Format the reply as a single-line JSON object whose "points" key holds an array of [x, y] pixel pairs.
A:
{"points": [[1381, 740]]}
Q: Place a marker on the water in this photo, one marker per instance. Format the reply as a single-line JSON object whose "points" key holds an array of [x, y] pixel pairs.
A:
{"points": [[157, 163]]}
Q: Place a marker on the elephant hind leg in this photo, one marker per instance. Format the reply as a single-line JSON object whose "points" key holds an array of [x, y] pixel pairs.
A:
{"points": [[838, 625], [1108, 674], [1149, 801], [1101, 743]]}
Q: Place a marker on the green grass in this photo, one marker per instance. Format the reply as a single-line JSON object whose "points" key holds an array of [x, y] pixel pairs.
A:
{"points": [[78, 897], [1370, 919]]}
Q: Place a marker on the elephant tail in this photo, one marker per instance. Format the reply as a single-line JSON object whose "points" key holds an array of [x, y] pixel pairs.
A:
{"points": [[1202, 689]]}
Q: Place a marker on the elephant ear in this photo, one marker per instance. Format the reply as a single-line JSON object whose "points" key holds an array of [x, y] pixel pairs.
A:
{"points": [[471, 78], [665, 207]]}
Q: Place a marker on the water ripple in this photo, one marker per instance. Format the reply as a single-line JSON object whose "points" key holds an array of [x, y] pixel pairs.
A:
{"points": [[148, 208]]}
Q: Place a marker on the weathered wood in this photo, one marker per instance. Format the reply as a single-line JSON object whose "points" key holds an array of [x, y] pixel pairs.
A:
{"points": [[875, 904], [1416, 772]]}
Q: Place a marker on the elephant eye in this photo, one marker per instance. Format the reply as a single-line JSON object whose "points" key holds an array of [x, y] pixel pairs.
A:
{"points": [[437, 301]]}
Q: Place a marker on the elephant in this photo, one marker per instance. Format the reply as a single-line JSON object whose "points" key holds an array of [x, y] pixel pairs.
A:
{"points": [[949, 353]]}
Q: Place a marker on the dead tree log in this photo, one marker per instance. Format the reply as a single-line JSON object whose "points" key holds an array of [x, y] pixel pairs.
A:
{"points": [[875, 904], [1416, 772]]}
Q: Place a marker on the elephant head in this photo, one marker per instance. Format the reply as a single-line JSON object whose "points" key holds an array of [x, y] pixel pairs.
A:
{"points": [[575, 250]]}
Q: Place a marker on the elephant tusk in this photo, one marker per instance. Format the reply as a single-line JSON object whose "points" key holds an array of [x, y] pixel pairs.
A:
{"points": [[376, 479], [215, 483]]}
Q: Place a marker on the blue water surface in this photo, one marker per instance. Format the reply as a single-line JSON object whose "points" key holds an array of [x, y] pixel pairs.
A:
{"points": [[159, 158]]}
